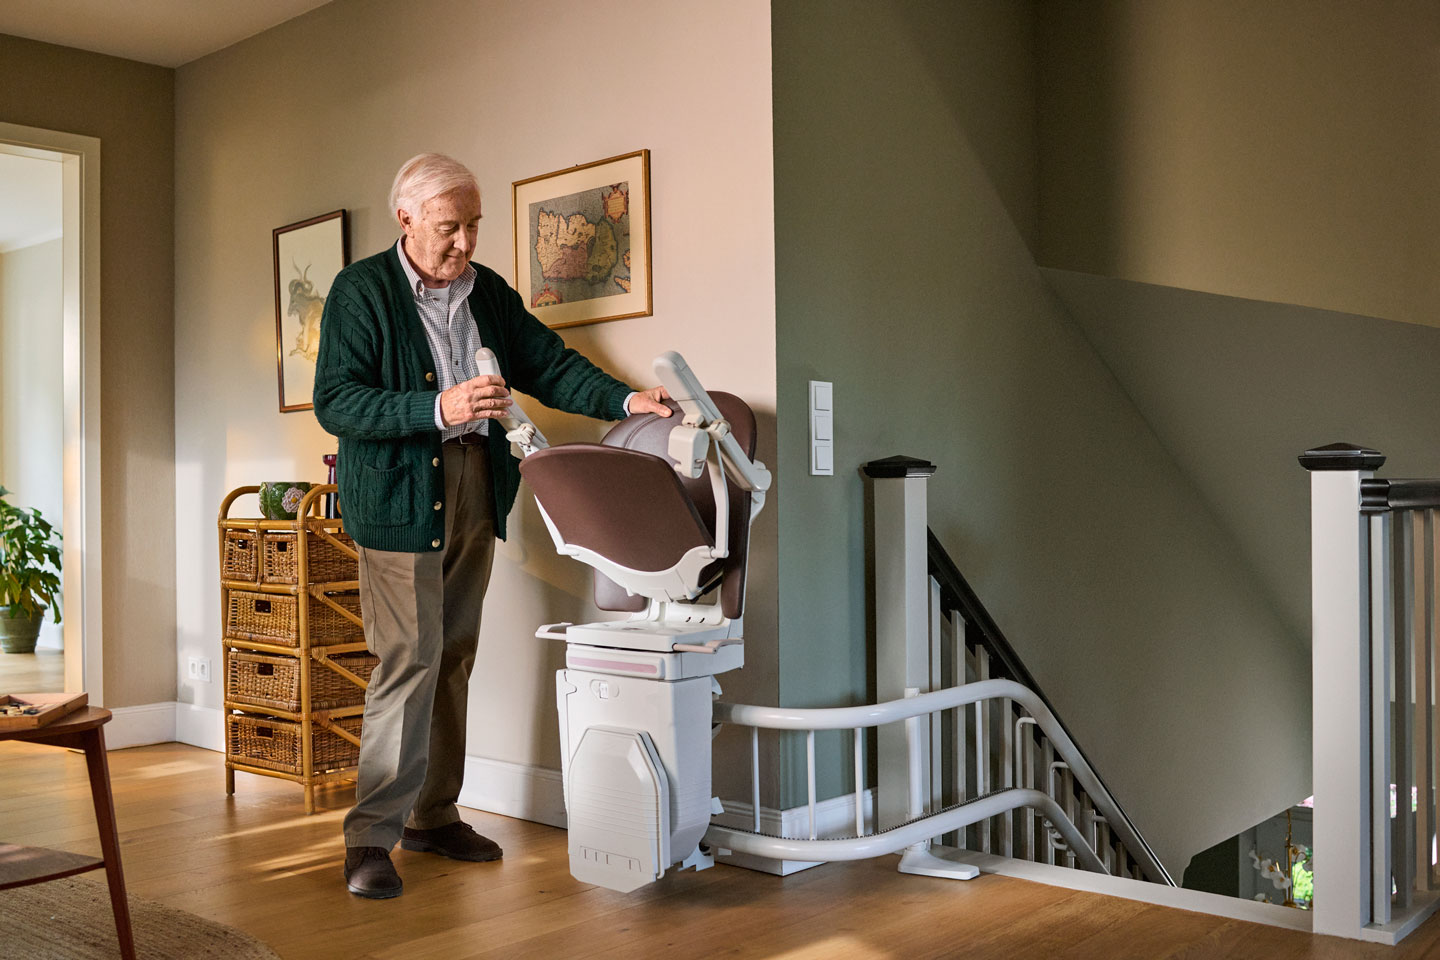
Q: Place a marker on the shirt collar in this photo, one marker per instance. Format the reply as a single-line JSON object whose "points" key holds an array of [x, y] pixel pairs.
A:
{"points": [[460, 287]]}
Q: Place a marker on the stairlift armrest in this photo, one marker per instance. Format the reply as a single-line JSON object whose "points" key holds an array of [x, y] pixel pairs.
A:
{"points": [[710, 646]]}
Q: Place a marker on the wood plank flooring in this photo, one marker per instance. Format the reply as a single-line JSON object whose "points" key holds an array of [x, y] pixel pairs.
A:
{"points": [[40, 672], [256, 862]]}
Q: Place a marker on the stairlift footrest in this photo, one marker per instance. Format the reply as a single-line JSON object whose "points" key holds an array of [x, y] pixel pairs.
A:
{"points": [[698, 859], [618, 807]]}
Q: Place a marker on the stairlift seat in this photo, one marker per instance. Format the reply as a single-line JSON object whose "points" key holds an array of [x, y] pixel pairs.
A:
{"points": [[622, 499], [622, 504]]}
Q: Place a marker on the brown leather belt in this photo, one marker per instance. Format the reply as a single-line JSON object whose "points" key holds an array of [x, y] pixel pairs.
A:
{"points": [[472, 439]]}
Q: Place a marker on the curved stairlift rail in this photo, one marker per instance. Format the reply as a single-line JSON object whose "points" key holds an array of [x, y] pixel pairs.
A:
{"points": [[906, 835], [858, 718]]}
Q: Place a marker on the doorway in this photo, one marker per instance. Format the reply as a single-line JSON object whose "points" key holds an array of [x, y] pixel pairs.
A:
{"points": [[49, 366], [32, 406]]}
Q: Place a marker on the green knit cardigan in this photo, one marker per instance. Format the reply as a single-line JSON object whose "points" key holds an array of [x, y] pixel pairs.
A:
{"points": [[375, 386]]}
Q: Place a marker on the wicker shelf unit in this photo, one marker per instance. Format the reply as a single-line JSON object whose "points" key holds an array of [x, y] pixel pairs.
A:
{"points": [[294, 660]]}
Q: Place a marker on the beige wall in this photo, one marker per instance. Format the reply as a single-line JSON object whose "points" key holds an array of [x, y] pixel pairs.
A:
{"points": [[33, 401], [1282, 151], [318, 113], [129, 106]]}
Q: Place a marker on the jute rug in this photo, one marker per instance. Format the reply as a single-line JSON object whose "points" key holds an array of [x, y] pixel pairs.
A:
{"points": [[70, 919]]}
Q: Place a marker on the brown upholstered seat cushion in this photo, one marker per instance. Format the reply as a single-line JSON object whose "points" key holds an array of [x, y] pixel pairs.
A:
{"points": [[616, 502], [625, 505]]}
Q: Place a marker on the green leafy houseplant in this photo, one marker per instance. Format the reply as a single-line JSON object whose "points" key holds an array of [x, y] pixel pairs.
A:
{"points": [[29, 575]]}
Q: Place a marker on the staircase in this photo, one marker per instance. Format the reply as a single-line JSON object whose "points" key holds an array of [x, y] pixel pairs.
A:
{"points": [[972, 769], [969, 756]]}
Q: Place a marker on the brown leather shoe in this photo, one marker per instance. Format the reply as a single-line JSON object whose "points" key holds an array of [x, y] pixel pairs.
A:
{"points": [[457, 840], [369, 873]]}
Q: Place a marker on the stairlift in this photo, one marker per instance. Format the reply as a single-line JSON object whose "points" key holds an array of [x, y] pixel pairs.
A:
{"points": [[661, 509]]}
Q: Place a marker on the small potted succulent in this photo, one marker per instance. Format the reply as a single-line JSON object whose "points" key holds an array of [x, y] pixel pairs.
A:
{"points": [[29, 575]]}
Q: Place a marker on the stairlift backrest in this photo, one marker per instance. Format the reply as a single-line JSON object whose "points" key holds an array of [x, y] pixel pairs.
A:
{"points": [[624, 500]]}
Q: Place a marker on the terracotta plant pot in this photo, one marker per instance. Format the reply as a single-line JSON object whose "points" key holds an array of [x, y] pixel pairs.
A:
{"points": [[18, 634]]}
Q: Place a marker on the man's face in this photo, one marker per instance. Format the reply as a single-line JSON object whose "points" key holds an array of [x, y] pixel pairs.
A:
{"points": [[441, 240]]}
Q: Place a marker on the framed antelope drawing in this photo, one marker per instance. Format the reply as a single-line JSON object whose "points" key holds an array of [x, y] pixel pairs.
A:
{"points": [[308, 255]]}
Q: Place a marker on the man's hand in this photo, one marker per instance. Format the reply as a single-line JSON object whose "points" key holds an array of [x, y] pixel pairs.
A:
{"points": [[479, 398], [648, 401]]}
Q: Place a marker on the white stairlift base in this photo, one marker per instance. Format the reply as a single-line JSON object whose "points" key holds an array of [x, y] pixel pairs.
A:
{"points": [[918, 860]]}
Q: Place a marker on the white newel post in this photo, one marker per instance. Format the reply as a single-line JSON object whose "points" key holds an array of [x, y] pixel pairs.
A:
{"points": [[1340, 652], [902, 621]]}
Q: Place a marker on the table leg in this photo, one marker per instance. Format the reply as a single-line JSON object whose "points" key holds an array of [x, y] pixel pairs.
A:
{"points": [[99, 768]]}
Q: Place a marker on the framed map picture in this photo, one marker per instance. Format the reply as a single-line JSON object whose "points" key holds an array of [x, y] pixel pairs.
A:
{"points": [[582, 241], [308, 255]]}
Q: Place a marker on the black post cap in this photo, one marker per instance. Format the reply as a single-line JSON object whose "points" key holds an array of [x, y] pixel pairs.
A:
{"points": [[1342, 456], [893, 467]]}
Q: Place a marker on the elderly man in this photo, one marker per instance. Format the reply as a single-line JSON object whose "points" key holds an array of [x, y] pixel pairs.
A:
{"points": [[426, 481]]}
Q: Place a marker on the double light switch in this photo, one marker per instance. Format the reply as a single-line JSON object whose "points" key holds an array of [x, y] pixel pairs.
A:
{"points": [[822, 428]]}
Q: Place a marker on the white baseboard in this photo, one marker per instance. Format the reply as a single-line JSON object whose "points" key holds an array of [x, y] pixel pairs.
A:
{"points": [[165, 722], [200, 726], [519, 790], [1157, 893], [141, 725], [833, 818]]}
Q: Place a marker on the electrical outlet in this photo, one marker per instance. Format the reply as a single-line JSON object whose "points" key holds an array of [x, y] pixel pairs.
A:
{"points": [[204, 669], [192, 668]]}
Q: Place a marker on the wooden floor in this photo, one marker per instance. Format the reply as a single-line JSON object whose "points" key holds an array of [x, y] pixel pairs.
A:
{"points": [[256, 862], [40, 672]]}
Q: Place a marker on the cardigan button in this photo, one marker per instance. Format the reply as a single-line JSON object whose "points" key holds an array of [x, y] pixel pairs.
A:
{"points": [[435, 462], [429, 378], [435, 544], [437, 504]]}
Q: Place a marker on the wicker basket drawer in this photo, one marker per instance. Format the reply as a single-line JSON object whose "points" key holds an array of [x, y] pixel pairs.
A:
{"points": [[273, 682], [261, 741], [280, 560], [241, 557], [275, 618]]}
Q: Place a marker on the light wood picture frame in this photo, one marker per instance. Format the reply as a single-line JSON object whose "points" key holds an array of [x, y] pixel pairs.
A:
{"points": [[308, 255], [582, 241]]}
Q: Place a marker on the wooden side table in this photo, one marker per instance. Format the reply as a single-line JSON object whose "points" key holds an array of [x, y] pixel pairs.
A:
{"points": [[21, 866]]}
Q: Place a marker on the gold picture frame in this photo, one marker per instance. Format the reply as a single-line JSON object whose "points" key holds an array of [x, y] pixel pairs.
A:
{"points": [[582, 241], [308, 255]]}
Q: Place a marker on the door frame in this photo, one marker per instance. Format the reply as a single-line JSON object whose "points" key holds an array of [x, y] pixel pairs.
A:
{"points": [[80, 520]]}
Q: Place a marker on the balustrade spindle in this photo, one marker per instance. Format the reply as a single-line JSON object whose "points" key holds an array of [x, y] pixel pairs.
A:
{"points": [[1382, 642]]}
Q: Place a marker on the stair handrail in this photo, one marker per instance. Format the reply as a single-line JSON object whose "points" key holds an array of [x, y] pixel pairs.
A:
{"points": [[957, 593], [894, 711]]}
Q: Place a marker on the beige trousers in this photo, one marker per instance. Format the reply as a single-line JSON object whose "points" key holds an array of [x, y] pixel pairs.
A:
{"points": [[422, 619]]}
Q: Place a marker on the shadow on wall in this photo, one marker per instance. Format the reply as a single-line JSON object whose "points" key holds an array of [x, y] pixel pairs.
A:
{"points": [[1236, 389]]}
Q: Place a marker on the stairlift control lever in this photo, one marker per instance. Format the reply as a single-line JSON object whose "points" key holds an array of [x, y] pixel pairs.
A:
{"points": [[702, 414], [519, 429]]}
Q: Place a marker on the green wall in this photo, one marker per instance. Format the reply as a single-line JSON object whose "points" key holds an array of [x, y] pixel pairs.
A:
{"points": [[904, 276]]}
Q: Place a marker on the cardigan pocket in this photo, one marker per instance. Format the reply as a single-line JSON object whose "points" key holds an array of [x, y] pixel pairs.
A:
{"points": [[392, 492]]}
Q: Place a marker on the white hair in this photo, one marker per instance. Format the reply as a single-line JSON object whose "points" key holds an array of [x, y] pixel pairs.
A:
{"points": [[426, 176]]}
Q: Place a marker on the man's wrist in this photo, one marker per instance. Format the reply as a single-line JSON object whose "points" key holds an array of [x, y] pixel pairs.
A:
{"points": [[440, 423], [626, 405]]}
